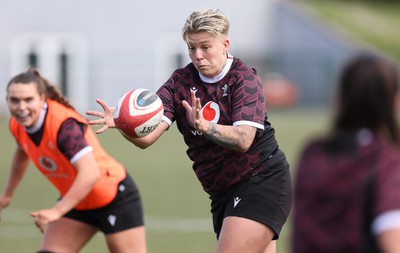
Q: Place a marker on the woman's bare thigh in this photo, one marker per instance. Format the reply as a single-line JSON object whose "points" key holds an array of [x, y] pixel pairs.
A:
{"points": [[67, 235]]}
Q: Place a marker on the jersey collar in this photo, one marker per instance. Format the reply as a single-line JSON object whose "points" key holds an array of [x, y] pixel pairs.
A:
{"points": [[220, 75], [40, 122]]}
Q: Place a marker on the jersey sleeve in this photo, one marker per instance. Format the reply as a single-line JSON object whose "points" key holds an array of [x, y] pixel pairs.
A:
{"points": [[388, 183], [387, 197], [165, 92], [248, 102], [71, 140]]}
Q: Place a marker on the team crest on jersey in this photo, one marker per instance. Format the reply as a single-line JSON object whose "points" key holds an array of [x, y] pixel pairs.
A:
{"points": [[211, 112], [47, 163], [225, 90]]}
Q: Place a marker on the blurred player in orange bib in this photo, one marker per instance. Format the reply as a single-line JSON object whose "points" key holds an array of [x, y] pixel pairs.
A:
{"points": [[96, 191]]}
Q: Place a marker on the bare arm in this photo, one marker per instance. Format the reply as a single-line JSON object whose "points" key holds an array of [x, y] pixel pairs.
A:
{"points": [[18, 168], [88, 175], [389, 241], [238, 138]]}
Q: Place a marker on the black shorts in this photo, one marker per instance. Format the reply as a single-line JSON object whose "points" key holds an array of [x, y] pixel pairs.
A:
{"points": [[124, 212], [265, 197]]}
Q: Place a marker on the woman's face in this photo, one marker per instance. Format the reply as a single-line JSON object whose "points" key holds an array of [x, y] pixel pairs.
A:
{"points": [[25, 103], [208, 53]]}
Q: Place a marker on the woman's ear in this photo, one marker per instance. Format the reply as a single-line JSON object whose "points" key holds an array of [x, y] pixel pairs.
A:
{"points": [[226, 45]]}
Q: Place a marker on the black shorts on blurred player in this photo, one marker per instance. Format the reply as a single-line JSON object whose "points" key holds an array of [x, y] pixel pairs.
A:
{"points": [[124, 212]]}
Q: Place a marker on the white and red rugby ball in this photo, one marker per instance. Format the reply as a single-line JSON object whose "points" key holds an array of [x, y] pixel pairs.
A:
{"points": [[138, 113]]}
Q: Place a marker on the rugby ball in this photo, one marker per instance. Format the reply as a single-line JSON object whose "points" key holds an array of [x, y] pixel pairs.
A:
{"points": [[138, 113]]}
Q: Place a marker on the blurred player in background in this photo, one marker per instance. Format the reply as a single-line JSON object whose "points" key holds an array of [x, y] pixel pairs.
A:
{"points": [[218, 104], [96, 191], [347, 194]]}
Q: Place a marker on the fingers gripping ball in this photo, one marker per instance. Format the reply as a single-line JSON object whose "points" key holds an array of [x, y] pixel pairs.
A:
{"points": [[138, 113]]}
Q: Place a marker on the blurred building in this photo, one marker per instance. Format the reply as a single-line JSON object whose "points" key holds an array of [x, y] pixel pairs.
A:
{"points": [[101, 49], [307, 52]]}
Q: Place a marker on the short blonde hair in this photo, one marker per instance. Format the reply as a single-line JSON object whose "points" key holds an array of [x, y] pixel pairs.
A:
{"points": [[214, 22]]}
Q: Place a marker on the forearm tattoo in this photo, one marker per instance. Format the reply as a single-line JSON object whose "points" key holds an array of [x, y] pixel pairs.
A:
{"points": [[211, 128], [214, 135]]}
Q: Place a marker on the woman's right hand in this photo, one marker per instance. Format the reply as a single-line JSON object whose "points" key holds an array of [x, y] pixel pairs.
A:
{"points": [[106, 117], [4, 201]]}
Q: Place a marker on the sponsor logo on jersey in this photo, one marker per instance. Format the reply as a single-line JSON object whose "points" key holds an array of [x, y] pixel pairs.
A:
{"points": [[47, 164], [211, 112]]}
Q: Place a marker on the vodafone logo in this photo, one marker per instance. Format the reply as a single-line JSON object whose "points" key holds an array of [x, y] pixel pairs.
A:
{"points": [[47, 163], [211, 112]]}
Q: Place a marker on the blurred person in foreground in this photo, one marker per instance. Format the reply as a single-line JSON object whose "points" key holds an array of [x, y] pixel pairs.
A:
{"points": [[96, 191], [347, 188], [219, 106]]}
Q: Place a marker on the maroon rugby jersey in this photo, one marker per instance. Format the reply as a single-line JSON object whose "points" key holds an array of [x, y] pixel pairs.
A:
{"points": [[238, 98], [331, 192]]}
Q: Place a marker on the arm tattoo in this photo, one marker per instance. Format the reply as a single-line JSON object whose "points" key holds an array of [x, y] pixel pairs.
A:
{"points": [[212, 129], [217, 137]]}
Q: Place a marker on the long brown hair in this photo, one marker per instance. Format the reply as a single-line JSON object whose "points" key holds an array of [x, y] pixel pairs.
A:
{"points": [[366, 96], [32, 75]]}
